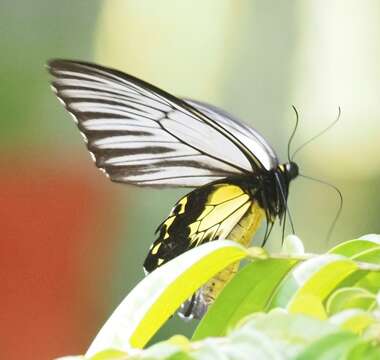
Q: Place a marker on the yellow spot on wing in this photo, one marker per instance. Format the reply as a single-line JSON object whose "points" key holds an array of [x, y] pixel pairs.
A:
{"points": [[169, 221], [160, 261], [223, 193], [155, 249], [183, 203]]}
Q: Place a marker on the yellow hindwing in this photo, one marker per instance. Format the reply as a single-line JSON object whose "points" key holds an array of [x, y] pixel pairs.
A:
{"points": [[215, 211]]}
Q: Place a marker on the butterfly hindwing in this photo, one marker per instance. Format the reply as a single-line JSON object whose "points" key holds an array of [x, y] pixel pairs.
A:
{"points": [[205, 214], [215, 211]]}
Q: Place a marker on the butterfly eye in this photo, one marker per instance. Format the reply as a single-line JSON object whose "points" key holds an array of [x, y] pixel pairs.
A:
{"points": [[292, 170]]}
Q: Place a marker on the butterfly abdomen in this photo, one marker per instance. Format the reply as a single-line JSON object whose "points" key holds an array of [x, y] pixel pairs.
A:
{"points": [[242, 233]]}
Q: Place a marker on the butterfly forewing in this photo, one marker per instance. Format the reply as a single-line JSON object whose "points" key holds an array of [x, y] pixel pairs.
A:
{"points": [[264, 154], [141, 135]]}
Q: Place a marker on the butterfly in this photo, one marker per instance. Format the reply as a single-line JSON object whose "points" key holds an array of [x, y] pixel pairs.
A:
{"points": [[141, 135]]}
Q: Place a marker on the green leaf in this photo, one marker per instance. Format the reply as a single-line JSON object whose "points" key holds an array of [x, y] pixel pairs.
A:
{"points": [[353, 247], [160, 294], [162, 350], [109, 354], [307, 286], [370, 281], [341, 284], [331, 347], [348, 298], [296, 278], [276, 335], [364, 351], [320, 285], [354, 320], [371, 256], [279, 325], [365, 249], [248, 292]]}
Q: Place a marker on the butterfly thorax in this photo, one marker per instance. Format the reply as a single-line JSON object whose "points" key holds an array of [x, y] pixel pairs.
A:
{"points": [[274, 189]]}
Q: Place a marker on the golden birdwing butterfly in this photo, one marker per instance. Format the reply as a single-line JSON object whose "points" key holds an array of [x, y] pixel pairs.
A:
{"points": [[139, 134]]}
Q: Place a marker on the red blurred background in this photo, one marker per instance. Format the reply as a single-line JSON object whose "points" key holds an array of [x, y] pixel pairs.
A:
{"points": [[54, 262]]}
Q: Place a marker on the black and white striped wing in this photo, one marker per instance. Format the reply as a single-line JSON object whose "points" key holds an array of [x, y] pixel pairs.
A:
{"points": [[142, 135], [257, 145]]}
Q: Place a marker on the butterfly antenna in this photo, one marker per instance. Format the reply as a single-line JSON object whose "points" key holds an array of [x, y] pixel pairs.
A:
{"points": [[319, 134], [294, 131], [340, 207], [285, 202]]}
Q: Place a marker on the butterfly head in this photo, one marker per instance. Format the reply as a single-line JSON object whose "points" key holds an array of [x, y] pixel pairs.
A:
{"points": [[290, 170]]}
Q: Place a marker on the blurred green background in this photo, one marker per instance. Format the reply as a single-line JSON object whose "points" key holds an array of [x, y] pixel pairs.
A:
{"points": [[72, 242]]}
